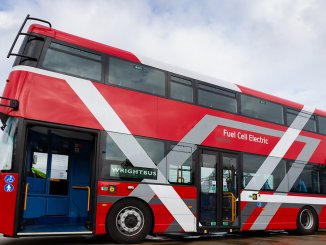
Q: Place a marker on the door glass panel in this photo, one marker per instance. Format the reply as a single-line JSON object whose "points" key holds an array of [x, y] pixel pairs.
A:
{"points": [[59, 173], [208, 214], [39, 164], [59, 167], [230, 189]]}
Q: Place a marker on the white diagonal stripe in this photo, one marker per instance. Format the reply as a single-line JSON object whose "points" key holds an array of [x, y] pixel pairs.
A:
{"points": [[280, 149]]}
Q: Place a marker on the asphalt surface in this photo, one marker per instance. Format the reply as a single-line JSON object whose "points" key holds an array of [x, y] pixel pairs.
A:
{"points": [[241, 239]]}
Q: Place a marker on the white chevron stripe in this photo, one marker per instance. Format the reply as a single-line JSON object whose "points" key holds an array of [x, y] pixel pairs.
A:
{"points": [[282, 198], [282, 146]]}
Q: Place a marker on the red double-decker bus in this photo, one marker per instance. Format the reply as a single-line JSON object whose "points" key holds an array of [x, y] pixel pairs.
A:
{"points": [[97, 140]]}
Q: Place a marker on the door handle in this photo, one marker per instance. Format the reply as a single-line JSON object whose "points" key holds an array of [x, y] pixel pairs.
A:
{"points": [[88, 193], [26, 194]]}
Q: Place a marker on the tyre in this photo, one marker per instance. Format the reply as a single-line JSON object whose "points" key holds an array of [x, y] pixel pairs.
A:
{"points": [[307, 221], [129, 221]]}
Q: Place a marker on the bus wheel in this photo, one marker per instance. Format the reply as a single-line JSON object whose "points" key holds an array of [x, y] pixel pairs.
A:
{"points": [[129, 221], [307, 221]]}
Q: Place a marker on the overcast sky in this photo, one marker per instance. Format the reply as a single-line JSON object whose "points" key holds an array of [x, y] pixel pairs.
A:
{"points": [[276, 46]]}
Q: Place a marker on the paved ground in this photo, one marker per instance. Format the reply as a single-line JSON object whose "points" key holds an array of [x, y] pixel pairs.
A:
{"points": [[280, 238]]}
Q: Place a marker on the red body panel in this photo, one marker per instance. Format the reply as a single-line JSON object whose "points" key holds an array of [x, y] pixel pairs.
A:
{"points": [[162, 217], [284, 219], [8, 205], [143, 114], [322, 218]]}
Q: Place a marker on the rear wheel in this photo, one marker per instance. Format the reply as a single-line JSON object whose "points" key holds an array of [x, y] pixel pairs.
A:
{"points": [[129, 221], [307, 221]]}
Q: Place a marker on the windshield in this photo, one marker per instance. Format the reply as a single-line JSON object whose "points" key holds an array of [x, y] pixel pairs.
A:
{"points": [[7, 137]]}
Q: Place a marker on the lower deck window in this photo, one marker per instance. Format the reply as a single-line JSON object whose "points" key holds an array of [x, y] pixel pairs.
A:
{"points": [[308, 181], [117, 165], [180, 164], [252, 163]]}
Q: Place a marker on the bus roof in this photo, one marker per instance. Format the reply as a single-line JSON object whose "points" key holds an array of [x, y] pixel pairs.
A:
{"points": [[99, 47]]}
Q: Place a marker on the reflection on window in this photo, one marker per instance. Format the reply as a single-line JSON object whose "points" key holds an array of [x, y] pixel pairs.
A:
{"points": [[208, 214], [7, 139], [181, 89], [208, 173], [72, 64], [217, 98], [310, 125], [180, 164], [230, 174], [136, 76], [261, 109], [308, 181], [117, 166], [251, 164], [322, 125], [39, 164], [153, 148], [75, 51]]}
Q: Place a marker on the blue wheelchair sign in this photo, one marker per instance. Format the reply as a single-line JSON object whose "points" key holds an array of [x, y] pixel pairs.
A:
{"points": [[9, 188], [9, 179]]}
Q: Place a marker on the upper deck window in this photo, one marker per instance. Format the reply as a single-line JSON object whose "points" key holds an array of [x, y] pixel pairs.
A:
{"points": [[136, 76], [322, 124], [261, 109], [73, 61], [217, 98], [292, 114], [181, 89]]}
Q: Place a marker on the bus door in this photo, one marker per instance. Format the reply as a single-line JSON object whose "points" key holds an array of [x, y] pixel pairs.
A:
{"points": [[57, 191], [219, 190]]}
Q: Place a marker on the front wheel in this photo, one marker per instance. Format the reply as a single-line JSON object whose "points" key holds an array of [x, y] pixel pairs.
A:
{"points": [[129, 221], [307, 221]]}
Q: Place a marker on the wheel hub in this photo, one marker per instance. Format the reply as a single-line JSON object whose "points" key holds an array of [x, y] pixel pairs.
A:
{"points": [[130, 221], [306, 219]]}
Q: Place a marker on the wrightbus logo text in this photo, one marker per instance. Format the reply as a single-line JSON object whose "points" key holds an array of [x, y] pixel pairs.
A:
{"points": [[245, 136], [133, 172]]}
